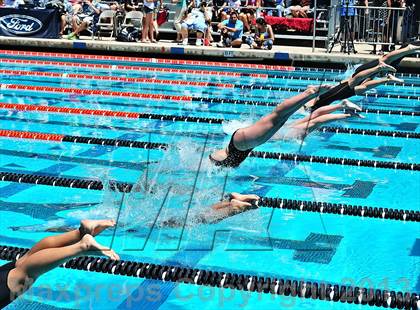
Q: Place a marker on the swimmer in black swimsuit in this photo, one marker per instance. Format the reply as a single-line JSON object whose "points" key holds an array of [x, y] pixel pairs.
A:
{"points": [[245, 139], [17, 277], [393, 58], [355, 85]]}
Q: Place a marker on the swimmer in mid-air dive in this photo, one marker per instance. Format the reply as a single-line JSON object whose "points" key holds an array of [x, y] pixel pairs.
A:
{"points": [[244, 140], [360, 81], [17, 277], [393, 58]]}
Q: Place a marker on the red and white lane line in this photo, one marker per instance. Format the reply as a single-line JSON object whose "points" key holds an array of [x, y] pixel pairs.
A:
{"points": [[130, 68], [65, 110], [113, 78], [149, 60], [31, 135], [89, 92]]}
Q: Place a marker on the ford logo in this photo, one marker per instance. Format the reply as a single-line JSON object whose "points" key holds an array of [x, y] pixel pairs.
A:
{"points": [[20, 24]]}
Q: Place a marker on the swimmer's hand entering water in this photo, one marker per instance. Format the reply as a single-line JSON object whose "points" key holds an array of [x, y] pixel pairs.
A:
{"points": [[235, 204]]}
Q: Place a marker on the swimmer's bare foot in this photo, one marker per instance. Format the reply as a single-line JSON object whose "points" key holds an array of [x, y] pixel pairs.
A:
{"points": [[347, 104], [92, 247], [95, 227], [385, 67], [414, 46], [394, 79], [253, 199]]}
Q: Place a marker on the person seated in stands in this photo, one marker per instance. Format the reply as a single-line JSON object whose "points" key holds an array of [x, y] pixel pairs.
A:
{"points": [[299, 8], [269, 7], [196, 20], [65, 10], [130, 5], [66, 16], [84, 13], [263, 37], [248, 14], [280, 7], [180, 7], [229, 6], [231, 31]]}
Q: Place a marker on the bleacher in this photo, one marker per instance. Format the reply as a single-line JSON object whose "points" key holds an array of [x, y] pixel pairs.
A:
{"points": [[321, 27]]}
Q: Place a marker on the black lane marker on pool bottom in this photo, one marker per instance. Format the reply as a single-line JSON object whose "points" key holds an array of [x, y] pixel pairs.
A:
{"points": [[327, 291], [268, 202]]}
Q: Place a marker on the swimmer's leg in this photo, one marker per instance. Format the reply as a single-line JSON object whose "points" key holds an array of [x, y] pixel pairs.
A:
{"points": [[410, 49], [93, 227], [364, 87], [369, 73], [315, 123], [318, 112], [44, 260], [258, 133]]}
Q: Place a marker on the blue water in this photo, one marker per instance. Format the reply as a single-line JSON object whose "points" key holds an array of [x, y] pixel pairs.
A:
{"points": [[277, 243]]}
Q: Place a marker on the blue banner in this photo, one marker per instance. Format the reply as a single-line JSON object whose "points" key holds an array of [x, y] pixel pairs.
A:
{"points": [[35, 23]]}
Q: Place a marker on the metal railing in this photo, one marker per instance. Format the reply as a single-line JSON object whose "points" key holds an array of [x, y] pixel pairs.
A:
{"points": [[383, 26]]}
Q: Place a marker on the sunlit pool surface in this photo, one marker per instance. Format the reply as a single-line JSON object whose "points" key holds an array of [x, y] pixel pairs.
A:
{"points": [[364, 252]]}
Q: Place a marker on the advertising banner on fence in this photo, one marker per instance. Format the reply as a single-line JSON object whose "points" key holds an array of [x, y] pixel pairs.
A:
{"points": [[29, 23]]}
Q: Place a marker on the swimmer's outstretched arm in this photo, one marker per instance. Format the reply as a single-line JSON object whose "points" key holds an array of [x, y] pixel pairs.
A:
{"points": [[237, 203], [53, 251]]}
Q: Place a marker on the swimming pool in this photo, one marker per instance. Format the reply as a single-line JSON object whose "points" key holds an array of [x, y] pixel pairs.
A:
{"points": [[94, 111]]}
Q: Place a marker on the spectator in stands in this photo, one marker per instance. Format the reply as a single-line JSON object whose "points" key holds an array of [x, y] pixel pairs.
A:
{"points": [[269, 7], [180, 13], [300, 8], [196, 20], [248, 14], [280, 7], [65, 10], [264, 36], [131, 5], [347, 12], [148, 28], [363, 18], [156, 11], [229, 6], [392, 24], [66, 15], [84, 13], [231, 31]]}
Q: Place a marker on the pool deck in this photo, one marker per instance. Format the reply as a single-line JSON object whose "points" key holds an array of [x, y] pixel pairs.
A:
{"points": [[279, 53]]}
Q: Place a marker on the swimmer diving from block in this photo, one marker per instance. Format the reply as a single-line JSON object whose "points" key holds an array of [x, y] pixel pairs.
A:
{"points": [[315, 98]]}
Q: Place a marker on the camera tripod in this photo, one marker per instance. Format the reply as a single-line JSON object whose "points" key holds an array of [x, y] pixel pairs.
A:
{"points": [[345, 30]]}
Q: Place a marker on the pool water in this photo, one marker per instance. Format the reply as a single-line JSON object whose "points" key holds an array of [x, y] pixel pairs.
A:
{"points": [[180, 182]]}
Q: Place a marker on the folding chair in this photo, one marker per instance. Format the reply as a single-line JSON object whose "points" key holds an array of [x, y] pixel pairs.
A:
{"points": [[106, 23], [133, 18]]}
